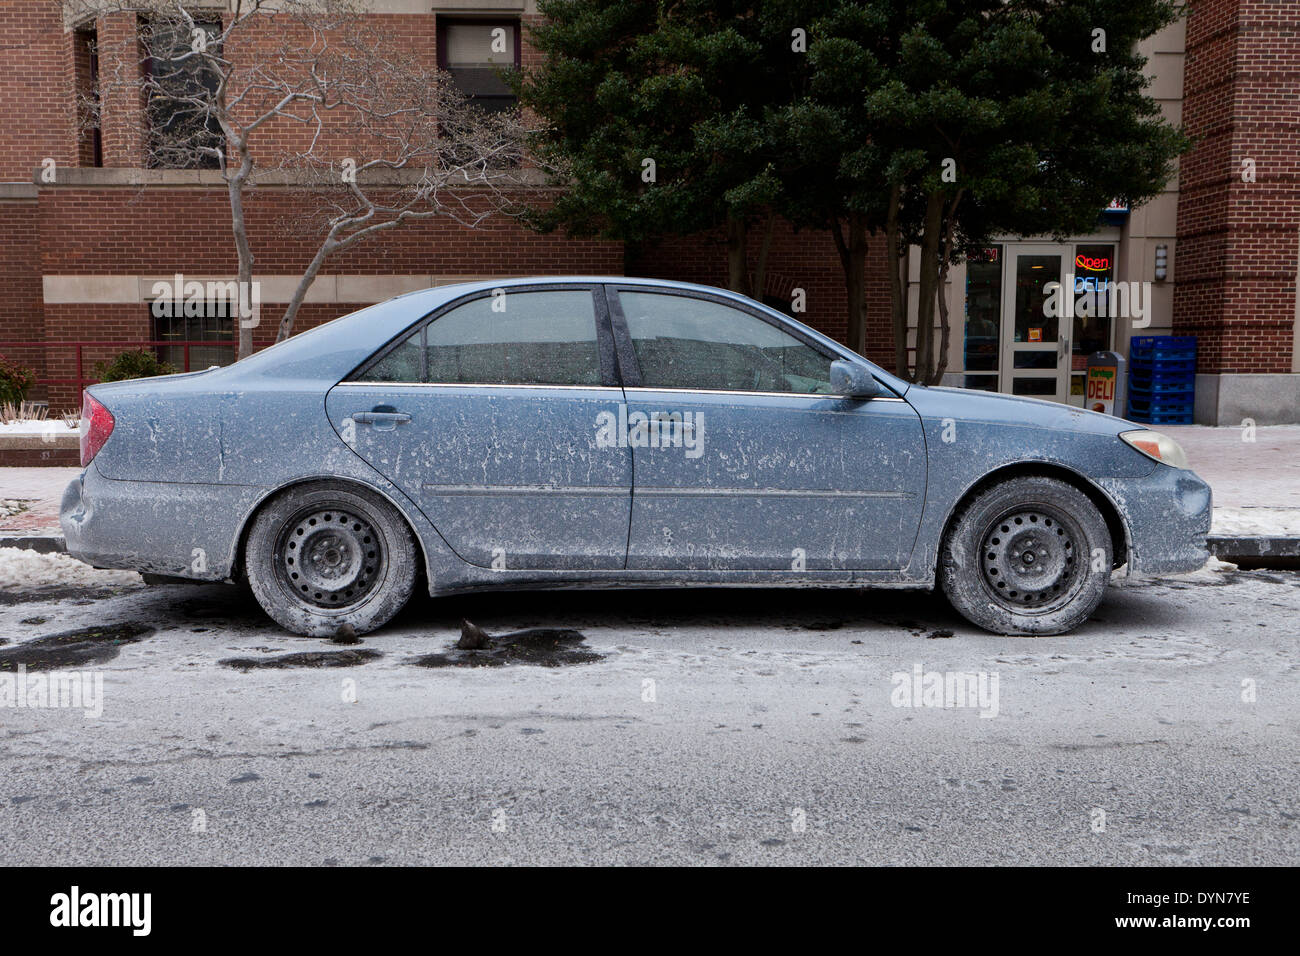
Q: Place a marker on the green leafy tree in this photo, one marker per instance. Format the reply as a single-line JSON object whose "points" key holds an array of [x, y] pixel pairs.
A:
{"points": [[662, 118], [942, 123]]}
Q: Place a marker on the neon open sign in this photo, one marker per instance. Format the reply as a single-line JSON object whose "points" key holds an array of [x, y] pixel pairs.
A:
{"points": [[1092, 264]]}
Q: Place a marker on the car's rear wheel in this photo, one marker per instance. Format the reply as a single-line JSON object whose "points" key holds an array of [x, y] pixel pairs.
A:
{"points": [[1028, 555], [330, 554]]}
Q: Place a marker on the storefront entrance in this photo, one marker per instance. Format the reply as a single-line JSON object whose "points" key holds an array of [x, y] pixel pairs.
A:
{"points": [[1023, 337]]}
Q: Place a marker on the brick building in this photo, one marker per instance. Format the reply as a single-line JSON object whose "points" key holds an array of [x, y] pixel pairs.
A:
{"points": [[88, 231]]}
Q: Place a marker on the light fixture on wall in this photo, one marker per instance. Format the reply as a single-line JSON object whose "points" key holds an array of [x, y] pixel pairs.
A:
{"points": [[1162, 262]]}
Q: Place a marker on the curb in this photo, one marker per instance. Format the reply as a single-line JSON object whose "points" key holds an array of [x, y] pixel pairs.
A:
{"points": [[1254, 546], [1224, 547], [40, 543]]}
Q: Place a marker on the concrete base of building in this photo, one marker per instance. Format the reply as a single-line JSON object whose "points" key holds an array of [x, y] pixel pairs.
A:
{"points": [[1230, 398]]}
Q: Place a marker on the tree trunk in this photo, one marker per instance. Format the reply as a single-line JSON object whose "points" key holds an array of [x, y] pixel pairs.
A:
{"points": [[945, 323], [897, 282], [857, 282], [905, 278], [929, 277], [243, 248], [737, 255], [853, 260], [300, 292], [760, 270]]}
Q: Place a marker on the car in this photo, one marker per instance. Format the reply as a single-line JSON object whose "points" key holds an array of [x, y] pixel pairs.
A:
{"points": [[575, 432]]}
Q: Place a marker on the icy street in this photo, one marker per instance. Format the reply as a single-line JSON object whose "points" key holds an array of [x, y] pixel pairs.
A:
{"points": [[697, 727]]}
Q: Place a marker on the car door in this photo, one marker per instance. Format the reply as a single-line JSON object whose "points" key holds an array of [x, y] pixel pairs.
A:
{"points": [[485, 416], [743, 459]]}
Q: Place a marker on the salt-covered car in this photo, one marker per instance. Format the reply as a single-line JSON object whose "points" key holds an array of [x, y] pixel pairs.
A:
{"points": [[601, 432]]}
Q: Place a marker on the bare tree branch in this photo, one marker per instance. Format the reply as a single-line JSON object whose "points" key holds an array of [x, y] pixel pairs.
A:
{"points": [[370, 134]]}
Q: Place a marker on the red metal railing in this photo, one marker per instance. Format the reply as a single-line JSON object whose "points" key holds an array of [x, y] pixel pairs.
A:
{"points": [[102, 351]]}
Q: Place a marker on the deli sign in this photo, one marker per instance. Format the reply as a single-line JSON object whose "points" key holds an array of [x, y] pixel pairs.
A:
{"points": [[1105, 384], [1101, 389]]}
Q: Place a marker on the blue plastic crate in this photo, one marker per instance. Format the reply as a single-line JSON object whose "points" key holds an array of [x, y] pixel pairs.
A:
{"points": [[1186, 364], [1163, 342], [1158, 350], [1183, 418], [1163, 395], [1160, 386], [1159, 405], [1163, 376]]}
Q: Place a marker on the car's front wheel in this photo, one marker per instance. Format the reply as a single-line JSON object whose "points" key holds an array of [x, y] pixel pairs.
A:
{"points": [[330, 554], [1029, 555]]}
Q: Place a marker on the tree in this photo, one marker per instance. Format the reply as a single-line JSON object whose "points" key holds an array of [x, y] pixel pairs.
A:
{"points": [[973, 118], [316, 94], [661, 119]]}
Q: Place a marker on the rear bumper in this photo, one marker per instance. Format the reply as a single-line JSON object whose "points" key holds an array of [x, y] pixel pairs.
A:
{"points": [[1168, 516], [186, 531]]}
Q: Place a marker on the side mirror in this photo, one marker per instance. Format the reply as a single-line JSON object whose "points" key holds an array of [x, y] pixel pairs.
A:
{"points": [[853, 380]]}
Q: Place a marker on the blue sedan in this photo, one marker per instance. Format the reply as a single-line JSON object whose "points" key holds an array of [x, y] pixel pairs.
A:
{"points": [[599, 432]]}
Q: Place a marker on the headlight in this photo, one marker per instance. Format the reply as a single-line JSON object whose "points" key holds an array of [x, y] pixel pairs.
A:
{"points": [[1155, 445]]}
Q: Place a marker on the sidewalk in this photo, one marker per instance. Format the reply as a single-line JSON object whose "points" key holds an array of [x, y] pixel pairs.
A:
{"points": [[29, 507], [1256, 487], [1256, 492]]}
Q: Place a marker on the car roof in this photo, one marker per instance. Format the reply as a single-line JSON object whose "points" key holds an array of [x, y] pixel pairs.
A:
{"points": [[442, 293], [334, 348]]}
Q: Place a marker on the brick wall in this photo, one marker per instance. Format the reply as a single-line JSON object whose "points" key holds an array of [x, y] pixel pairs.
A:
{"points": [[165, 230], [37, 120], [1237, 240], [1236, 252], [21, 316]]}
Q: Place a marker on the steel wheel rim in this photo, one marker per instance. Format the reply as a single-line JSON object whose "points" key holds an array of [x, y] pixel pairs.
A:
{"points": [[329, 558], [1031, 559]]}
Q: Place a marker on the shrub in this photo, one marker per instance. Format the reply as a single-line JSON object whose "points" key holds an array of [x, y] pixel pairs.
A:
{"points": [[14, 381], [134, 363]]}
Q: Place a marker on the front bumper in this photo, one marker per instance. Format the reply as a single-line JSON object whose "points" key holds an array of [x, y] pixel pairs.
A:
{"points": [[183, 530], [1167, 515]]}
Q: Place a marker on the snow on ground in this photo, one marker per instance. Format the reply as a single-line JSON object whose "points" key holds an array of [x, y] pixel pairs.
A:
{"points": [[11, 506], [39, 429], [1269, 522], [21, 569], [1208, 573]]}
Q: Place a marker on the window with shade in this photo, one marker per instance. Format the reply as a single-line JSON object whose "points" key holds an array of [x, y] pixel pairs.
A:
{"points": [[476, 53]]}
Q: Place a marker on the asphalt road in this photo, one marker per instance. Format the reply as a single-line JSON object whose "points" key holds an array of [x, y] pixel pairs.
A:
{"points": [[716, 727]]}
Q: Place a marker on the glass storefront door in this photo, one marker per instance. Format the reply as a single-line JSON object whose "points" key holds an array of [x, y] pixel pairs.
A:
{"points": [[1035, 340], [1022, 338]]}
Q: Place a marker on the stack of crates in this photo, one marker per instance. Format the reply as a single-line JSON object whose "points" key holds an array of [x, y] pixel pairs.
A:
{"points": [[1162, 379]]}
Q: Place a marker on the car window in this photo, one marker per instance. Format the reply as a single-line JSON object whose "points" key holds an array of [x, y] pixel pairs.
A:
{"points": [[402, 364], [684, 342], [517, 338], [511, 338]]}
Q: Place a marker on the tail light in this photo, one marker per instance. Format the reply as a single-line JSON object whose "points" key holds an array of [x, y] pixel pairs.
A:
{"points": [[96, 426]]}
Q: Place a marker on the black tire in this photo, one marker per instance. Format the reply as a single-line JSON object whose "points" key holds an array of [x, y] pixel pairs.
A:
{"points": [[330, 554], [1027, 556]]}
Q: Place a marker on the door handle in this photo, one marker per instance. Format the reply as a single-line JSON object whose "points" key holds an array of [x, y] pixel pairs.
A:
{"points": [[381, 418]]}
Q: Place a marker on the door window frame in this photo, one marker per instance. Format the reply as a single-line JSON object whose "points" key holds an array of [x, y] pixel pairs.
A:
{"points": [[605, 347], [630, 366]]}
